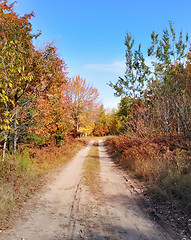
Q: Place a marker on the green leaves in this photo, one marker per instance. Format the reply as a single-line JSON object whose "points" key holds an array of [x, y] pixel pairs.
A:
{"points": [[162, 87], [136, 74]]}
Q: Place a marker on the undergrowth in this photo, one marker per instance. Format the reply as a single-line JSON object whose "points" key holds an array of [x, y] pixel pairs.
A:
{"points": [[21, 175], [164, 164]]}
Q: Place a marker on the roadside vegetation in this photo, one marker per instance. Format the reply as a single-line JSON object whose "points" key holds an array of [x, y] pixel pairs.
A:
{"points": [[163, 164]]}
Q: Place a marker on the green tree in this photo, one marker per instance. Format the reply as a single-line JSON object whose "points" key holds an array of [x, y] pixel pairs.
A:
{"points": [[166, 85], [162, 88], [136, 74]]}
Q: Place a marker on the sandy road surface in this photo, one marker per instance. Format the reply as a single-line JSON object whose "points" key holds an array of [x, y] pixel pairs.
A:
{"points": [[65, 209]]}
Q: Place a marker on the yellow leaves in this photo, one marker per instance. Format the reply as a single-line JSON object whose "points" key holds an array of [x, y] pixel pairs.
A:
{"points": [[4, 98], [11, 101], [5, 127], [19, 69], [81, 99], [6, 114], [10, 84], [6, 121], [87, 128]]}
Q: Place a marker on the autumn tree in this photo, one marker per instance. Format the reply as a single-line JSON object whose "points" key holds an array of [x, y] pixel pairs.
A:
{"points": [[15, 63], [81, 99], [102, 123], [26, 73], [50, 121]]}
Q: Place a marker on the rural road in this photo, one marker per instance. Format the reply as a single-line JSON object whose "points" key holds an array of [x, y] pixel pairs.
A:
{"points": [[66, 209]]}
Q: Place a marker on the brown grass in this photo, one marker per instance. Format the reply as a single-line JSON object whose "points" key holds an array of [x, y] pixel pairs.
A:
{"points": [[92, 170]]}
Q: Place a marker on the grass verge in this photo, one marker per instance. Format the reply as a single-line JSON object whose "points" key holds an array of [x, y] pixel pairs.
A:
{"points": [[92, 170]]}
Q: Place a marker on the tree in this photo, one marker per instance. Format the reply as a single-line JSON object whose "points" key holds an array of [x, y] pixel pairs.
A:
{"points": [[168, 82], [26, 73], [102, 122], [50, 121], [136, 72], [81, 99], [115, 123], [16, 51], [163, 88]]}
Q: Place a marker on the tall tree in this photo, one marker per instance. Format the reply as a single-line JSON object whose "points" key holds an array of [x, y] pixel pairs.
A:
{"points": [[136, 72], [82, 101], [26, 73], [164, 85], [16, 51], [169, 55]]}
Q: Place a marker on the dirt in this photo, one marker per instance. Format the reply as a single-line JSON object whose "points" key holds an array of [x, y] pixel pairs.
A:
{"points": [[66, 209]]}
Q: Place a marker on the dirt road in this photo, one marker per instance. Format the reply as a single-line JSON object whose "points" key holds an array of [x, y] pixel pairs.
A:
{"points": [[65, 208]]}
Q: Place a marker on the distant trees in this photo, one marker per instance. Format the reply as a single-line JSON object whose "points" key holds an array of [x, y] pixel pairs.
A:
{"points": [[156, 99], [102, 123], [81, 99]]}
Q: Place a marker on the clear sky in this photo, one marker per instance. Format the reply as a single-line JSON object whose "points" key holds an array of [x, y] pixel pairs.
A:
{"points": [[89, 34]]}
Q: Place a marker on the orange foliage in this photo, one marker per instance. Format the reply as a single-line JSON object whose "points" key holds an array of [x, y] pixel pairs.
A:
{"points": [[81, 99], [136, 153], [163, 163], [51, 118]]}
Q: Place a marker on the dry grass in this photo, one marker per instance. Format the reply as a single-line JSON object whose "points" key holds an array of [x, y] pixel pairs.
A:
{"points": [[164, 164], [92, 170]]}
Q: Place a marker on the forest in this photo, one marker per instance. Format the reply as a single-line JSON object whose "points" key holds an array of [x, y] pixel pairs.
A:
{"points": [[44, 112]]}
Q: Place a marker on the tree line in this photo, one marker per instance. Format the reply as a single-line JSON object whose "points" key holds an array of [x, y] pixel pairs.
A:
{"points": [[39, 103], [155, 97]]}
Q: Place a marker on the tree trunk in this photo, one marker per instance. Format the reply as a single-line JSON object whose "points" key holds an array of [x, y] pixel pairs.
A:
{"points": [[15, 130], [5, 144]]}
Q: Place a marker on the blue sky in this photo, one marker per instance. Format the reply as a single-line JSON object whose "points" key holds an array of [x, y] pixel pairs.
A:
{"points": [[89, 34]]}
